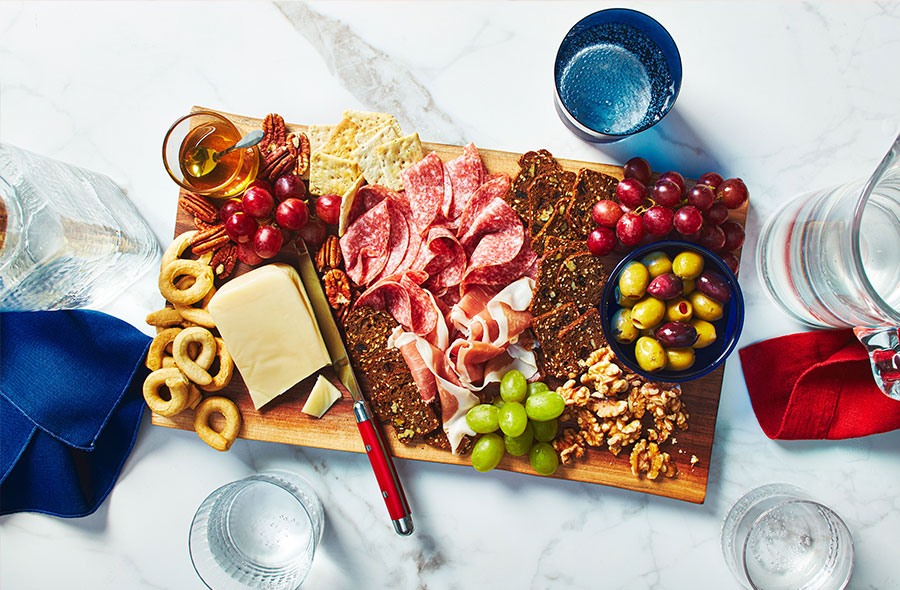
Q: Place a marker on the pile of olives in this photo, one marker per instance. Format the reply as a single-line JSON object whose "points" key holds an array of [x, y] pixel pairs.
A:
{"points": [[526, 414], [667, 309]]}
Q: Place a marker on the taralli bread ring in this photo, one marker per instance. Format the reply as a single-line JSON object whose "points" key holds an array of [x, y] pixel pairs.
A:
{"points": [[226, 368], [177, 248], [201, 272], [195, 368], [196, 315], [194, 397], [165, 317], [158, 348], [220, 441], [179, 391], [168, 362]]}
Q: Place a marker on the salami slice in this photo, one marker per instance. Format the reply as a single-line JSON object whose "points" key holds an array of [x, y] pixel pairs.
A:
{"points": [[442, 257], [465, 173], [365, 245], [495, 236], [495, 186], [402, 296], [524, 263], [398, 243], [423, 185]]}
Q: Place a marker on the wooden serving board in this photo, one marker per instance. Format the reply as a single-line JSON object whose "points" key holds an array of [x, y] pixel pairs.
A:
{"points": [[282, 421]]}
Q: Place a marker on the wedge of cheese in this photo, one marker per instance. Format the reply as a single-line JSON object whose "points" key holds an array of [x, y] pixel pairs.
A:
{"points": [[268, 324], [322, 397]]}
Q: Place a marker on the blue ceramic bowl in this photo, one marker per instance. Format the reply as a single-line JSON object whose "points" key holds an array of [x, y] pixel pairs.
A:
{"points": [[617, 72], [728, 329]]}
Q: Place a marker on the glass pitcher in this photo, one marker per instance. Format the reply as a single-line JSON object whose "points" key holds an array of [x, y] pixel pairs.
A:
{"points": [[831, 258]]}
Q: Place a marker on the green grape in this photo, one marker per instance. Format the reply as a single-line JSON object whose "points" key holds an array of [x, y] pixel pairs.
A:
{"points": [[483, 418], [537, 387], [519, 445], [543, 458], [513, 419], [545, 431], [487, 452], [545, 406], [513, 387]]}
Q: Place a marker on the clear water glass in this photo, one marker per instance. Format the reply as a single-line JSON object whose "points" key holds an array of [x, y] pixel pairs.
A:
{"points": [[69, 237], [777, 538], [259, 532]]}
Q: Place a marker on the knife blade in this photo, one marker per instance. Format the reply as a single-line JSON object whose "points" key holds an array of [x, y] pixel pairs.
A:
{"points": [[373, 440]]}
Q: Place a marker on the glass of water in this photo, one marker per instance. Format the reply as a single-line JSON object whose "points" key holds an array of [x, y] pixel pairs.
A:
{"points": [[259, 532], [777, 538]]}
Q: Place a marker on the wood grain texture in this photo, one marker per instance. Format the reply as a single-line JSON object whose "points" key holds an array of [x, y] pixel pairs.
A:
{"points": [[282, 421]]}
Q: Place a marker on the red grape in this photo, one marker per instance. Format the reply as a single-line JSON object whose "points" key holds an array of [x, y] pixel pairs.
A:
{"points": [[711, 179], [260, 183], [732, 261], [606, 213], [313, 233], [268, 241], [716, 214], [601, 241], [688, 220], [289, 186], [639, 169], [257, 202], [701, 196], [666, 193], [630, 229], [674, 177], [631, 192], [733, 193], [734, 235], [240, 227], [328, 208], [292, 214], [658, 220], [247, 254], [229, 208], [711, 236]]}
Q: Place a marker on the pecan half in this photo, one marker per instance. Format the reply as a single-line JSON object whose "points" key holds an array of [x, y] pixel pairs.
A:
{"points": [[337, 288], [279, 151], [329, 255], [202, 225], [302, 143], [200, 207], [224, 260], [209, 239]]}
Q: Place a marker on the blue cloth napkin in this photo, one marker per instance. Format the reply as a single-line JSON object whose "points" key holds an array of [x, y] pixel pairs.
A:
{"points": [[70, 408]]}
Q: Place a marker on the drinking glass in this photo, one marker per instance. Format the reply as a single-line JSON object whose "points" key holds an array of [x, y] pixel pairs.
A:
{"points": [[258, 532], [777, 538], [830, 258], [233, 172], [617, 72]]}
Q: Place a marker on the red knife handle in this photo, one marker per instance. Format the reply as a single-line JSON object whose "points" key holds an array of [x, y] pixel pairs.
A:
{"points": [[385, 473]]}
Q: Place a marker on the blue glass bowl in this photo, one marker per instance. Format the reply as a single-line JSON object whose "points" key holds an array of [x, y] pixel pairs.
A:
{"points": [[728, 329], [617, 72]]}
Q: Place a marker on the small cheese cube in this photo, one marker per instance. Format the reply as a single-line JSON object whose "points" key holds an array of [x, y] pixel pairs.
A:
{"points": [[322, 397]]}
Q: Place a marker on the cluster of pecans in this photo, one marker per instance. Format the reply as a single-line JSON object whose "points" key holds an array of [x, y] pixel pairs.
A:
{"points": [[336, 282], [210, 236]]}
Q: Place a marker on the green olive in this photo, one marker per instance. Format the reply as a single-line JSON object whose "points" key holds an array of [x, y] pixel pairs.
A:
{"points": [[650, 354], [705, 308], [657, 263], [679, 310], [634, 279], [688, 265], [625, 301], [623, 330], [647, 313], [679, 359], [706, 333], [688, 286]]}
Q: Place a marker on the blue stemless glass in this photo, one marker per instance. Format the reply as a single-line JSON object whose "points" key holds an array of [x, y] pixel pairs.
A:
{"points": [[617, 72]]}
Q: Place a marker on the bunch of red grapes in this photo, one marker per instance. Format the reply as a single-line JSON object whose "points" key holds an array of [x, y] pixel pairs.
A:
{"points": [[261, 220], [645, 214]]}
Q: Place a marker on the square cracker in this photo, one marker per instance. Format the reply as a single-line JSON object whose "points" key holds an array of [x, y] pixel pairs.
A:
{"points": [[396, 156], [366, 156], [367, 119], [393, 132], [318, 135], [331, 175], [342, 140]]}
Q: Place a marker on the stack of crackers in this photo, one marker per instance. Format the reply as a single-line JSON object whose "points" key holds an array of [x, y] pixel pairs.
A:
{"points": [[362, 146]]}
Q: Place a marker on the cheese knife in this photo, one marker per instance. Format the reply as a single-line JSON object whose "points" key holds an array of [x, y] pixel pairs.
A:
{"points": [[376, 450]]}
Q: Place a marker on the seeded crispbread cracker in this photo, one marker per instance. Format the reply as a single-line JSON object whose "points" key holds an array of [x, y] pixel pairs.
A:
{"points": [[369, 163], [342, 140], [579, 339], [318, 135], [367, 119], [396, 156], [544, 192], [580, 280], [590, 187], [531, 165], [545, 296], [556, 226], [331, 175]]}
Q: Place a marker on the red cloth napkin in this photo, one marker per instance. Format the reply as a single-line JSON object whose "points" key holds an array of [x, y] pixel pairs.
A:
{"points": [[816, 385]]}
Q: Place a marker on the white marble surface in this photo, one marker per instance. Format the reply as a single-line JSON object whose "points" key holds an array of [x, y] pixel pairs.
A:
{"points": [[788, 96]]}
